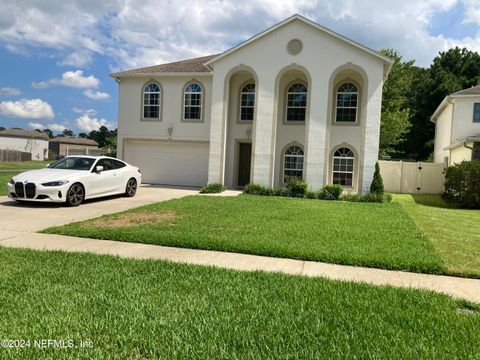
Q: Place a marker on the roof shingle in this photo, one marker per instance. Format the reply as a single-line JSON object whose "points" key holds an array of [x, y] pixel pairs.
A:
{"points": [[28, 134], [74, 140], [186, 66], [474, 90]]}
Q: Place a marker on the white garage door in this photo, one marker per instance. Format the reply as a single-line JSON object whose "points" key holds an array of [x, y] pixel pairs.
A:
{"points": [[169, 163]]}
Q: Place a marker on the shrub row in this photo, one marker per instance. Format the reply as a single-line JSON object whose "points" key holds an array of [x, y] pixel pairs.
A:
{"points": [[212, 189]]}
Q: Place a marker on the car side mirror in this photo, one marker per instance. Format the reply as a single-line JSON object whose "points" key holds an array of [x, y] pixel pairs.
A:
{"points": [[98, 168]]}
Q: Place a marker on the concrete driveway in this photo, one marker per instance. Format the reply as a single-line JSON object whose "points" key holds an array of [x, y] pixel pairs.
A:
{"points": [[20, 218]]}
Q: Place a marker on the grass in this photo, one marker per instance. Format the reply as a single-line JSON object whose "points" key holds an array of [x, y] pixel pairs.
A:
{"points": [[133, 309], [24, 165], [374, 235], [4, 178], [454, 233]]}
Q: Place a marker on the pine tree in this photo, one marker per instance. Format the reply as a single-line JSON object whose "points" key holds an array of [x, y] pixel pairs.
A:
{"points": [[377, 183]]}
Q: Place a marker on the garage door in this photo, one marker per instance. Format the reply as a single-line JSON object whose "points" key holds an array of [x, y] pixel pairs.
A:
{"points": [[169, 163]]}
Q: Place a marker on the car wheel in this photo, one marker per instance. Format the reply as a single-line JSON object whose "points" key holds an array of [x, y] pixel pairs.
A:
{"points": [[75, 195], [131, 188]]}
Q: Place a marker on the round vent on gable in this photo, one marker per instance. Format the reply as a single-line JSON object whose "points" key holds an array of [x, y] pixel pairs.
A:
{"points": [[294, 47]]}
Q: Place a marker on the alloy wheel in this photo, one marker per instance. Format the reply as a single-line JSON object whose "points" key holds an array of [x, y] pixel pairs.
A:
{"points": [[131, 187], [75, 195]]}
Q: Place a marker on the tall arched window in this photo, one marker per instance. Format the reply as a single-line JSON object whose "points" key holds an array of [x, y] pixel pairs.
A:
{"points": [[192, 102], [347, 103], [293, 162], [247, 102], [151, 101], [343, 165], [296, 102]]}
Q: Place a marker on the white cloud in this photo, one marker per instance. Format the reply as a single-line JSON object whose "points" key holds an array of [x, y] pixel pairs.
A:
{"points": [[56, 128], [96, 95], [9, 91], [73, 79], [140, 32], [27, 109], [87, 121]]}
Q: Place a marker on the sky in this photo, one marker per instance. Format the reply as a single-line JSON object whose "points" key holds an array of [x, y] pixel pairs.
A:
{"points": [[56, 55]]}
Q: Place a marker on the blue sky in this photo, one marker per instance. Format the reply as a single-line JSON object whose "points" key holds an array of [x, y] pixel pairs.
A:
{"points": [[56, 56]]}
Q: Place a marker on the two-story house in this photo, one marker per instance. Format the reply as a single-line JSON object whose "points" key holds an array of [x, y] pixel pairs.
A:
{"points": [[295, 100], [457, 127]]}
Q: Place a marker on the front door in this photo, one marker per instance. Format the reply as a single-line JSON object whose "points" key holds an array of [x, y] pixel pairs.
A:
{"points": [[244, 162]]}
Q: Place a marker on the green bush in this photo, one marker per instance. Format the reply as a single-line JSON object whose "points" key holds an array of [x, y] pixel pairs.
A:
{"points": [[297, 187], [462, 184], [280, 191], [330, 192], [256, 189], [375, 198], [212, 189], [377, 183], [311, 195]]}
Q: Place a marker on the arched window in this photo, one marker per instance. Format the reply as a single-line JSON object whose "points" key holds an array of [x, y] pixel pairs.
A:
{"points": [[192, 102], [151, 101], [347, 103], [247, 102], [293, 162], [343, 165], [296, 102]]}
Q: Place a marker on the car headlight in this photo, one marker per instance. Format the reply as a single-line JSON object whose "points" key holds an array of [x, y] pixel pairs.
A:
{"points": [[55, 183], [11, 181]]}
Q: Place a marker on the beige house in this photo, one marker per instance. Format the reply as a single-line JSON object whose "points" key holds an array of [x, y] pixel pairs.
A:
{"points": [[457, 127], [297, 99], [66, 145]]}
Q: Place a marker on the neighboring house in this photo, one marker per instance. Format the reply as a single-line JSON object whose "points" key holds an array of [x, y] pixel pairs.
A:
{"points": [[295, 100], [66, 145], [33, 142], [457, 127]]}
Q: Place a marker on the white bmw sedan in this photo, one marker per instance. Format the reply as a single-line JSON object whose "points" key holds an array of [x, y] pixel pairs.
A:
{"points": [[74, 179]]}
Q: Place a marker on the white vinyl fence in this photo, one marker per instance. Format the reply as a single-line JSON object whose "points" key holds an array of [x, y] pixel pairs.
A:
{"points": [[412, 177]]}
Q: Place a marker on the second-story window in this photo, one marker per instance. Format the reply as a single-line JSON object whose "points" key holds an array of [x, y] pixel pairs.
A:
{"points": [[247, 102], [151, 101], [296, 102]]}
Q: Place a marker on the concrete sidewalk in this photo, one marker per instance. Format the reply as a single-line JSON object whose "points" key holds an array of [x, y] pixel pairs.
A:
{"points": [[468, 289]]}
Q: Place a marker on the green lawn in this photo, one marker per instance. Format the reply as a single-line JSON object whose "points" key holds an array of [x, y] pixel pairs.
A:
{"points": [[24, 165], [4, 178], [454, 233], [375, 235], [132, 309]]}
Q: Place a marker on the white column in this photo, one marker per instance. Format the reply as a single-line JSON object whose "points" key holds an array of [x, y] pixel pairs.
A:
{"points": [[216, 157], [372, 131], [316, 134], [263, 133]]}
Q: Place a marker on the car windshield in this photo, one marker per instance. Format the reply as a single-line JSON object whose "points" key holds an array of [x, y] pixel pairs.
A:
{"points": [[73, 163]]}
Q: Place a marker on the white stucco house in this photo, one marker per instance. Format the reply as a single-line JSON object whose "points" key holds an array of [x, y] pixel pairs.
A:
{"points": [[27, 141], [457, 127], [295, 100]]}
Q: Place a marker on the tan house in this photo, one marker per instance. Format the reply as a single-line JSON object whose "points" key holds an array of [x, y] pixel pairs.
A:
{"points": [[457, 127], [67, 145]]}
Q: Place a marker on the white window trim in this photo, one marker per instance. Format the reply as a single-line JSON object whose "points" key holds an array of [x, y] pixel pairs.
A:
{"points": [[344, 172], [249, 107], [296, 107], [159, 105], [347, 107], [184, 105]]}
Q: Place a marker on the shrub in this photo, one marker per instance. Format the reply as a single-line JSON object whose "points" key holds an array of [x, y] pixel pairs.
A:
{"points": [[311, 195], [330, 192], [377, 183], [256, 189], [297, 187], [212, 189], [280, 191], [374, 198], [462, 184]]}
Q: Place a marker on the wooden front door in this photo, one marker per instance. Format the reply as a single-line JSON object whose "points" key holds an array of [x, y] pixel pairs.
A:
{"points": [[244, 162]]}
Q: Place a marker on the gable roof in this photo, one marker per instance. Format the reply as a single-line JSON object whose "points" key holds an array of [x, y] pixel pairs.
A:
{"points": [[196, 65], [201, 64], [20, 133], [472, 91], [74, 141], [387, 60]]}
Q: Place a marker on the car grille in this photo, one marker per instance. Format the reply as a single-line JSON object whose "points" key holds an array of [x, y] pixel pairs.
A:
{"points": [[30, 190], [19, 190]]}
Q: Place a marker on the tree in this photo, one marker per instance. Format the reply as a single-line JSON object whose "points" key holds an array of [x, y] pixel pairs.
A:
{"points": [[83, 135], [48, 132], [451, 71], [396, 113], [2, 128], [104, 137], [67, 132], [376, 186]]}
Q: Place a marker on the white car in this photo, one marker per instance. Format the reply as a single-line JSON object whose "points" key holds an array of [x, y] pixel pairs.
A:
{"points": [[74, 179]]}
